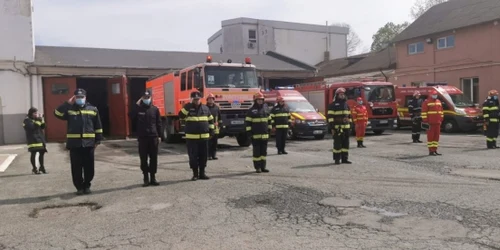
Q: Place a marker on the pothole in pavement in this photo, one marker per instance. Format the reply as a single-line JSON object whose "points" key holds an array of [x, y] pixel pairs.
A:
{"points": [[64, 210]]}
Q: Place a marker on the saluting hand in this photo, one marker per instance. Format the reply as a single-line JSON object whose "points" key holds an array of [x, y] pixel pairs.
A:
{"points": [[138, 101], [72, 100]]}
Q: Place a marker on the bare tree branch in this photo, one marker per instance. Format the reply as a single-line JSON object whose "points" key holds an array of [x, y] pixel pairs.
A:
{"points": [[421, 6], [353, 40]]}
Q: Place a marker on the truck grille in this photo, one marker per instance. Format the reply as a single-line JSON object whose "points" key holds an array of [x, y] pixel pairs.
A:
{"points": [[382, 111], [229, 105], [233, 114]]}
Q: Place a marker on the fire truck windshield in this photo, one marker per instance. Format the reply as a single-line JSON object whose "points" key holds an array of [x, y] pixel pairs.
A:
{"points": [[300, 107], [380, 93], [230, 77], [461, 101]]}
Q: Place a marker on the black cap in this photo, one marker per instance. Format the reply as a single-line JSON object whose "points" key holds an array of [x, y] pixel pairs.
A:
{"points": [[146, 94], [195, 95], [80, 92]]}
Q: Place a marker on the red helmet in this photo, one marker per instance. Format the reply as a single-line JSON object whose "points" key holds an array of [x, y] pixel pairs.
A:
{"points": [[211, 96], [493, 92], [359, 99], [258, 96], [340, 90], [433, 92], [279, 99], [416, 93]]}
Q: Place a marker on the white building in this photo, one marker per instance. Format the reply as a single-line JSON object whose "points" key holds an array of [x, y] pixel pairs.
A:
{"points": [[19, 89], [308, 43]]}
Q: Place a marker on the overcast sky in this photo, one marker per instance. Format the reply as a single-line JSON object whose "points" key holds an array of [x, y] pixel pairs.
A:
{"points": [[185, 25]]}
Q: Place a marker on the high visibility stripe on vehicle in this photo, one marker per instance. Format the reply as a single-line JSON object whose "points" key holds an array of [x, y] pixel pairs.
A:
{"points": [[261, 136], [282, 126], [197, 136], [298, 116], [322, 115], [34, 145], [78, 136]]}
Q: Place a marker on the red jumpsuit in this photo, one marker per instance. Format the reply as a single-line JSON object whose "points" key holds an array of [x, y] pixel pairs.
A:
{"points": [[360, 119], [432, 114]]}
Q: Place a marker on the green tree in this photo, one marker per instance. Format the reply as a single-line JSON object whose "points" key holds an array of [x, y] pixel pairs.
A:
{"points": [[421, 6], [384, 35]]}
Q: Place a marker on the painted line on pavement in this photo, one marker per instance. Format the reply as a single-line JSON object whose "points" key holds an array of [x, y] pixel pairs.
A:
{"points": [[5, 164]]}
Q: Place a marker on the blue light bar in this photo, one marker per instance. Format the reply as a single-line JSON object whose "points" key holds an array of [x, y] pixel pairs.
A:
{"points": [[282, 88]]}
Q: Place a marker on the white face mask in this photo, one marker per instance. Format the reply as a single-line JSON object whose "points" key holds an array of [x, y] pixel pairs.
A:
{"points": [[434, 96]]}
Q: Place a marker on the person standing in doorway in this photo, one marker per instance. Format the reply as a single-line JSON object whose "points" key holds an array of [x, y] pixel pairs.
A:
{"points": [[339, 120], [84, 134], [491, 119], [212, 142], [281, 120], [432, 114], [258, 125], [199, 128], [415, 110], [360, 118], [149, 137], [34, 126]]}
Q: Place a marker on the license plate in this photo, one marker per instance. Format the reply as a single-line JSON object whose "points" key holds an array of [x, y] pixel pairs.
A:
{"points": [[384, 122], [237, 122], [235, 105], [317, 132]]}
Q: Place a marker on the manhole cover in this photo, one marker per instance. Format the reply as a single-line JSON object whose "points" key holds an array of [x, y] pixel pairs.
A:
{"points": [[64, 210]]}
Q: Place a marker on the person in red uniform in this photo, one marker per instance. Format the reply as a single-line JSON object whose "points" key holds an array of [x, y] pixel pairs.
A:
{"points": [[360, 118], [432, 114]]}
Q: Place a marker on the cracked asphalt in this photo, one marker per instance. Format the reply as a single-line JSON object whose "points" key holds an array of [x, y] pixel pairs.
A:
{"points": [[394, 196]]}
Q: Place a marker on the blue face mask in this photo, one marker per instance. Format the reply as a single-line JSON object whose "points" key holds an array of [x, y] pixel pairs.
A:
{"points": [[80, 101], [360, 102], [146, 101], [495, 97]]}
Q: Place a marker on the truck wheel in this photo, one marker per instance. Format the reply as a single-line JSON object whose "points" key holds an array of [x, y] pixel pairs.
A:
{"points": [[291, 135], [450, 126], [378, 131], [243, 140], [319, 137]]}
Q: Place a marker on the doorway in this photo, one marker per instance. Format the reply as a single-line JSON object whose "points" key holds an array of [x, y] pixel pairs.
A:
{"points": [[97, 95], [137, 87]]}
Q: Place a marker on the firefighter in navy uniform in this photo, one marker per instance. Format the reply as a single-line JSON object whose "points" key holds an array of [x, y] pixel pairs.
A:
{"points": [[258, 126], [281, 120], [491, 118], [199, 128], [339, 120], [148, 135], [212, 142], [84, 134], [415, 110], [34, 126]]}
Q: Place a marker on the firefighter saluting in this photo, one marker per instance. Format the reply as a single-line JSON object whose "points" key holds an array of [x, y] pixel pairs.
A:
{"points": [[280, 115], [258, 124], [432, 114], [360, 118], [491, 118], [339, 123], [415, 110], [199, 128], [212, 142]]}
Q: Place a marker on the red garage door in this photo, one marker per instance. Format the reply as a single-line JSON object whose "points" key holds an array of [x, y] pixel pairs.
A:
{"points": [[56, 90], [118, 107]]}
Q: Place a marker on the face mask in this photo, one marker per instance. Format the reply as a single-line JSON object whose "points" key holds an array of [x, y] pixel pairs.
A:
{"points": [[146, 101], [495, 97], [360, 102], [80, 102], [434, 96]]}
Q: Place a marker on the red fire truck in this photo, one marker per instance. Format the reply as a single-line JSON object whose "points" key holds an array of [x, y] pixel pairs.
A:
{"points": [[377, 94], [232, 84], [460, 114]]}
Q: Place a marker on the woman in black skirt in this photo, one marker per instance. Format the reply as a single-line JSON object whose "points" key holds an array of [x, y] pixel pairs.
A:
{"points": [[34, 125]]}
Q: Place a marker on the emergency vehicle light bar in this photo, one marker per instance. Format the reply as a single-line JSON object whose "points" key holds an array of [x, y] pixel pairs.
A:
{"points": [[209, 59], [436, 84], [289, 87], [248, 60]]}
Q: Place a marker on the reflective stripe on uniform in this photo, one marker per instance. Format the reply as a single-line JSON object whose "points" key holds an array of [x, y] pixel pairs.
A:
{"points": [[282, 126], [261, 136], [58, 113], [184, 111], [491, 139], [98, 131], [262, 158], [343, 126], [280, 115], [197, 119], [248, 128], [83, 112], [211, 126], [78, 136], [39, 123], [434, 104], [490, 108], [34, 145], [339, 112], [493, 119], [432, 144], [197, 136], [249, 119]]}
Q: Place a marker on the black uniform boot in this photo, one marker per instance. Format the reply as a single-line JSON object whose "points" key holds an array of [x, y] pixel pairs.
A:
{"points": [[417, 137], [42, 170], [344, 158], [363, 145], [153, 180], [284, 152], [359, 144], [263, 167], [146, 180], [35, 171], [203, 176], [195, 174]]}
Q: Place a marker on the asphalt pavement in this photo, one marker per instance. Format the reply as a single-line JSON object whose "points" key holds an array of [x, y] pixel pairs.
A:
{"points": [[393, 196]]}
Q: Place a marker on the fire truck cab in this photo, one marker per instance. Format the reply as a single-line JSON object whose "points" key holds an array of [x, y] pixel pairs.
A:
{"points": [[377, 94], [233, 85], [306, 120], [460, 114]]}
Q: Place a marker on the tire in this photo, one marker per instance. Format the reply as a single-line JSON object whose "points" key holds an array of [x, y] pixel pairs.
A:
{"points": [[378, 131], [291, 135], [243, 140], [319, 137], [450, 126]]}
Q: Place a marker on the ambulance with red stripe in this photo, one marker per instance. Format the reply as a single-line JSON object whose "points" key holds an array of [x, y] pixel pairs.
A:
{"points": [[306, 120]]}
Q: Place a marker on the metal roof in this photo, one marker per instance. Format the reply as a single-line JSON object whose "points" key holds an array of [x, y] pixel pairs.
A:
{"points": [[451, 15], [142, 59]]}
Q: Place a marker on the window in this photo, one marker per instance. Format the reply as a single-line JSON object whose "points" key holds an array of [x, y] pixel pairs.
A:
{"points": [[230, 77], [353, 93], [470, 87], [183, 81], [416, 48], [446, 42], [60, 89], [190, 79], [252, 36]]}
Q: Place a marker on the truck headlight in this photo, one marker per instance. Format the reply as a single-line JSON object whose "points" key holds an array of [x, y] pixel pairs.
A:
{"points": [[460, 111], [298, 121]]}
